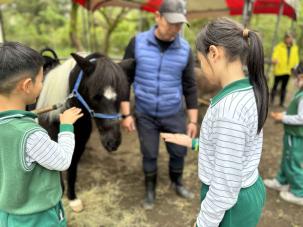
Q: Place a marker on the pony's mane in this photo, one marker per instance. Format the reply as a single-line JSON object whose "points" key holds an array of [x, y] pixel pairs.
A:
{"points": [[107, 73], [55, 88]]}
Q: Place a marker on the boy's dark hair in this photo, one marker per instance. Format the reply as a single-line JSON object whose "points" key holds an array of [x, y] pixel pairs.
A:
{"points": [[288, 35], [243, 44], [17, 61], [298, 70]]}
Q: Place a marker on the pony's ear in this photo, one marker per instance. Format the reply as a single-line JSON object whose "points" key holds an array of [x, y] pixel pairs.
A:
{"points": [[87, 66], [128, 65]]}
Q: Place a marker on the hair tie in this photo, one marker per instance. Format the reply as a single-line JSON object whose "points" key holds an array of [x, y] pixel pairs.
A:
{"points": [[245, 33]]}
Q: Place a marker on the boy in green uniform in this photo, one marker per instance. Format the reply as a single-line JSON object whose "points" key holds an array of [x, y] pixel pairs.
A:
{"points": [[289, 180], [30, 190]]}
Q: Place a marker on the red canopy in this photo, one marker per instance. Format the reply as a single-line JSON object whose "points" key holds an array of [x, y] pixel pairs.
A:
{"points": [[198, 9], [264, 7]]}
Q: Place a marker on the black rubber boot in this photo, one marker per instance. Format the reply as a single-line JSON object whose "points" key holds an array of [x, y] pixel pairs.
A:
{"points": [[177, 185], [150, 190]]}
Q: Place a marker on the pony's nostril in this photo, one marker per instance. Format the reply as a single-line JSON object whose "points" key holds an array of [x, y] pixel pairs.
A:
{"points": [[112, 145]]}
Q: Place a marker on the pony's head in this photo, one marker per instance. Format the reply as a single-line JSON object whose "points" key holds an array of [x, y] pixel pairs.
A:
{"points": [[102, 86]]}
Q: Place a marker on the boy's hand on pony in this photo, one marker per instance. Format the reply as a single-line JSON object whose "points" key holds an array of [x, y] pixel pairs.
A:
{"points": [[70, 116], [180, 139], [277, 116]]}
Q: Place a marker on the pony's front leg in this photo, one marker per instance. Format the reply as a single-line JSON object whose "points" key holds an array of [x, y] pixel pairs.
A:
{"points": [[74, 202], [82, 134]]}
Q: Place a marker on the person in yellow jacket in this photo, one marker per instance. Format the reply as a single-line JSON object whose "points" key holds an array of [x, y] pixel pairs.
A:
{"points": [[285, 57]]}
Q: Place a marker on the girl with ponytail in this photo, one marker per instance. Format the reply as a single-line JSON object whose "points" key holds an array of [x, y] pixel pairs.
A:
{"points": [[231, 137]]}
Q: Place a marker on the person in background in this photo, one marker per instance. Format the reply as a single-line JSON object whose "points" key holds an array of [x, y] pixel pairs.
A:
{"points": [[284, 58], [30, 192], [289, 180], [162, 75]]}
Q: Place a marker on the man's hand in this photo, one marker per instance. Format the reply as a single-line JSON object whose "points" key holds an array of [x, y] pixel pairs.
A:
{"points": [[129, 124], [277, 116], [274, 62], [192, 129]]}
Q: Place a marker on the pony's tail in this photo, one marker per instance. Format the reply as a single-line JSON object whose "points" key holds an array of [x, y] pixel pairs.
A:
{"points": [[255, 65]]}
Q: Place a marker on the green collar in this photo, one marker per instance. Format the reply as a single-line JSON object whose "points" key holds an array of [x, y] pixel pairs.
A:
{"points": [[16, 114], [298, 93], [239, 85]]}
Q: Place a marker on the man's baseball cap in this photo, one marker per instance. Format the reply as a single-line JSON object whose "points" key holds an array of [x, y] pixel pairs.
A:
{"points": [[174, 11]]}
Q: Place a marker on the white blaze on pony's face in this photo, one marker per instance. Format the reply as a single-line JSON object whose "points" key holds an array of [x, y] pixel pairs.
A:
{"points": [[110, 93]]}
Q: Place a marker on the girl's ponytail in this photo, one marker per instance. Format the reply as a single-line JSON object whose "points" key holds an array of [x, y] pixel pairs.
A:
{"points": [[255, 65]]}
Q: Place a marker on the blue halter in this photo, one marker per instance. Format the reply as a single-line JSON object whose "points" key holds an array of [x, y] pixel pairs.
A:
{"points": [[77, 95]]}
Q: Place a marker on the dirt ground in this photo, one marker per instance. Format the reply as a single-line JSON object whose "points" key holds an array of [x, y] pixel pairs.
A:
{"points": [[111, 187]]}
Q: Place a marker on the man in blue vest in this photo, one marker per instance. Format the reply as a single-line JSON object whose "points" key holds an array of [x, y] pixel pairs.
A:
{"points": [[162, 75]]}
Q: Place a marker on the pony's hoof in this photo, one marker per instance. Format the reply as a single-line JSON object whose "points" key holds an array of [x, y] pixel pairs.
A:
{"points": [[76, 205]]}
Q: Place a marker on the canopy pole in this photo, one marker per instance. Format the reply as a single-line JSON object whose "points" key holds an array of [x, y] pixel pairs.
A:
{"points": [[275, 34], [89, 33], [140, 22], [84, 29], [86, 25], [182, 32], [292, 26], [94, 35], [2, 34], [247, 12]]}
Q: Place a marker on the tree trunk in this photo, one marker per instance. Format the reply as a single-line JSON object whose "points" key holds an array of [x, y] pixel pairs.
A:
{"points": [[106, 43], [2, 34], [111, 25], [75, 41]]}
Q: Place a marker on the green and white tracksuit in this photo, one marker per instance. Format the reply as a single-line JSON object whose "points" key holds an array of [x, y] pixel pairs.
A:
{"points": [[291, 169], [30, 188], [233, 193]]}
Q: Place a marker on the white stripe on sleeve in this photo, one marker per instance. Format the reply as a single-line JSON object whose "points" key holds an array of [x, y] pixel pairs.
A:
{"points": [[295, 119], [49, 154]]}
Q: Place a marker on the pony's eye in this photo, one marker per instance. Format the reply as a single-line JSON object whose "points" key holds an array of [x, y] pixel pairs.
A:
{"points": [[97, 97]]}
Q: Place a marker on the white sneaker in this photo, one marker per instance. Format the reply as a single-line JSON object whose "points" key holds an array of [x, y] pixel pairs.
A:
{"points": [[275, 184], [289, 197]]}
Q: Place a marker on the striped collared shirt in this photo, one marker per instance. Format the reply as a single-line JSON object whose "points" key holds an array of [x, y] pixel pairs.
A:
{"points": [[48, 153], [229, 150]]}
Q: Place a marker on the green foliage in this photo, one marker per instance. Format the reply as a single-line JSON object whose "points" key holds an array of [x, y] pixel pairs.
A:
{"points": [[128, 28], [41, 23], [38, 23], [191, 31], [299, 30], [265, 25]]}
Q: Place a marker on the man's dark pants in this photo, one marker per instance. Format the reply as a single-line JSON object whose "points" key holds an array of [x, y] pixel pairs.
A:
{"points": [[149, 128]]}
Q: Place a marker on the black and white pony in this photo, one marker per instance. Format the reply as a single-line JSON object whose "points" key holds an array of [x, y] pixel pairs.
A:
{"points": [[95, 84]]}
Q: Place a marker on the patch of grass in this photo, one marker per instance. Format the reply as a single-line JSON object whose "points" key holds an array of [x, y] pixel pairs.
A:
{"points": [[102, 209]]}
